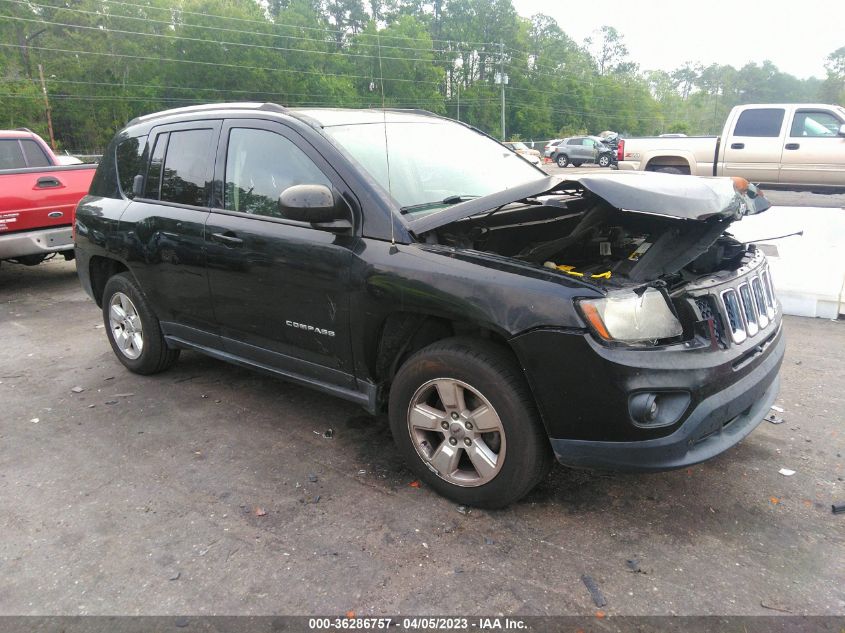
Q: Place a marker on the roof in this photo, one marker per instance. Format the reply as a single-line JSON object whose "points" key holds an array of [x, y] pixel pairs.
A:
{"points": [[22, 133], [324, 117], [330, 117]]}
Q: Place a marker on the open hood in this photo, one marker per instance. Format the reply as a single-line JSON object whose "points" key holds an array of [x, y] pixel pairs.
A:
{"points": [[682, 197]]}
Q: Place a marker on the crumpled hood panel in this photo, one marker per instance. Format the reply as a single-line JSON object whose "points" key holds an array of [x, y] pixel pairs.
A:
{"points": [[683, 197]]}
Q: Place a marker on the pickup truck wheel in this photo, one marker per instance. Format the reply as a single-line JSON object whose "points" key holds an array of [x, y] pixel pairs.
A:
{"points": [[133, 330], [464, 419], [604, 160], [669, 170], [562, 160]]}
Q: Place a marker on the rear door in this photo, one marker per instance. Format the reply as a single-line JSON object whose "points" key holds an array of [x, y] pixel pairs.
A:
{"points": [[814, 153], [280, 287], [162, 230], [753, 149]]}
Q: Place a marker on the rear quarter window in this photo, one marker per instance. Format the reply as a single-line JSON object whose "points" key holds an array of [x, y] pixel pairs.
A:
{"points": [[129, 159], [35, 156], [104, 183]]}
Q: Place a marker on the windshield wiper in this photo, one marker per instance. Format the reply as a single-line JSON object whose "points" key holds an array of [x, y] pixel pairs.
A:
{"points": [[453, 199]]}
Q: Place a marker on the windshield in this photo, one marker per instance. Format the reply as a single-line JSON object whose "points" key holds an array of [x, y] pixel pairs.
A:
{"points": [[519, 146], [433, 163]]}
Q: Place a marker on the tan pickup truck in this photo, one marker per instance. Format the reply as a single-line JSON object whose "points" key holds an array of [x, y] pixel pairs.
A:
{"points": [[785, 143]]}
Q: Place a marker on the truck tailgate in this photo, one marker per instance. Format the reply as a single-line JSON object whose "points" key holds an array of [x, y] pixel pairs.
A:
{"points": [[41, 197]]}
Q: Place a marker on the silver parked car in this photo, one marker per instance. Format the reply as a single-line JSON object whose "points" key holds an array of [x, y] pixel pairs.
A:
{"points": [[577, 150]]}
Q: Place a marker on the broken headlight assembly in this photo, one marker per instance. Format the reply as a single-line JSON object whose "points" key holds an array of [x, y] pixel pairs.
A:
{"points": [[632, 317]]}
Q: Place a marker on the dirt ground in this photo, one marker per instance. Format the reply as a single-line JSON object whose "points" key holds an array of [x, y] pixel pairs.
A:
{"points": [[212, 490]]}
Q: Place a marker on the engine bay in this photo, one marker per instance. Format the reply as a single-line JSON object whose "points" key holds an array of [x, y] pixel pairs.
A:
{"points": [[582, 236]]}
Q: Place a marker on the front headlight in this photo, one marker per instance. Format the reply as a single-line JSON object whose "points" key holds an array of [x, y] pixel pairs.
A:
{"points": [[631, 317]]}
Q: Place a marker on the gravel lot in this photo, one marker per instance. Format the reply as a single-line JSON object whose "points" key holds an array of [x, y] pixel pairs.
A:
{"points": [[212, 490]]}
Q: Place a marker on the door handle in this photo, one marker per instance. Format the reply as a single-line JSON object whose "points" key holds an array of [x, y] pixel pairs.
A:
{"points": [[791, 146], [46, 182], [737, 145], [228, 238]]}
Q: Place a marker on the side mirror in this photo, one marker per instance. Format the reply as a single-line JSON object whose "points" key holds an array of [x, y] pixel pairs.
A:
{"points": [[842, 130], [311, 203], [138, 186]]}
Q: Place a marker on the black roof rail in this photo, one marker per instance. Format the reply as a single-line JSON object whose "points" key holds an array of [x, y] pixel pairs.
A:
{"points": [[237, 105]]}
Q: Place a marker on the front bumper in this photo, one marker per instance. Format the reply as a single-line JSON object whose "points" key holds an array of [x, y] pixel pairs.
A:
{"points": [[715, 425], [583, 391], [36, 242]]}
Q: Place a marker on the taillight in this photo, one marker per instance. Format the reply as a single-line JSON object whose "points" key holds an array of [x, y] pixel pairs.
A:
{"points": [[620, 150]]}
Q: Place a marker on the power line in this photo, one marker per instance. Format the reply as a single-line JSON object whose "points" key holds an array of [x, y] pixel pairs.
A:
{"points": [[183, 38], [216, 64], [263, 22], [110, 16]]}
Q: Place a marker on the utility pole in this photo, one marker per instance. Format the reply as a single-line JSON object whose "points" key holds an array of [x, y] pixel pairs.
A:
{"points": [[47, 107], [502, 81], [459, 100]]}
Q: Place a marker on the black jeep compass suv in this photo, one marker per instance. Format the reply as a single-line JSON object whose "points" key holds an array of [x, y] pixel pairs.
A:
{"points": [[500, 316]]}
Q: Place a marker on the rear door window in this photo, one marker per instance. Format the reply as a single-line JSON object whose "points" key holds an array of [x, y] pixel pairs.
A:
{"points": [[11, 156], [35, 156], [260, 165], [186, 174], [761, 122]]}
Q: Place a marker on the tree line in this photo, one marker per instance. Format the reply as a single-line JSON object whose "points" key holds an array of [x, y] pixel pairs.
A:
{"points": [[107, 61]]}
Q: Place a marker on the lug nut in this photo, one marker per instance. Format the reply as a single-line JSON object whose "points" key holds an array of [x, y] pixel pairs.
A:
{"points": [[444, 424], [469, 425], [452, 441], [454, 415], [467, 441]]}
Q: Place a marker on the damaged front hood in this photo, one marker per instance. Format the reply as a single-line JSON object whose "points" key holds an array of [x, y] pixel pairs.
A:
{"points": [[682, 197]]}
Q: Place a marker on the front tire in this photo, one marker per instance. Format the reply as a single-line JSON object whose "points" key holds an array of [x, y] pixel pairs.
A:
{"points": [[604, 160], [562, 160], [133, 329], [465, 422]]}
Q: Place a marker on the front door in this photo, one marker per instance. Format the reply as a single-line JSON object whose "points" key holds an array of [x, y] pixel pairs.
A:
{"points": [[280, 288], [814, 153]]}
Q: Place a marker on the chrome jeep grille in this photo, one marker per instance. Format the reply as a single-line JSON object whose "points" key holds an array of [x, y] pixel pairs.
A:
{"points": [[742, 307], [748, 304]]}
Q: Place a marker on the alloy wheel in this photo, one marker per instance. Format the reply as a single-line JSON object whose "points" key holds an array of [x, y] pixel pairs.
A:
{"points": [[456, 432], [126, 327]]}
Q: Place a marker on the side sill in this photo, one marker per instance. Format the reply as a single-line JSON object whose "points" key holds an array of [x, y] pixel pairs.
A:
{"points": [[366, 397]]}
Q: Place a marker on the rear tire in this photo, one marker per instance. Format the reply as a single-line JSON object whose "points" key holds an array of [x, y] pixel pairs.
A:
{"points": [[562, 160], [133, 329], [464, 420], [670, 170]]}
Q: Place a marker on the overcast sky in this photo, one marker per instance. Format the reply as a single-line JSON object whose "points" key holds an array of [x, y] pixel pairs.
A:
{"points": [[796, 35]]}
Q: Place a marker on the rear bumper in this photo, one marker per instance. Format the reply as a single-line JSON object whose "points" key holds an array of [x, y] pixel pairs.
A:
{"points": [[46, 241], [716, 424]]}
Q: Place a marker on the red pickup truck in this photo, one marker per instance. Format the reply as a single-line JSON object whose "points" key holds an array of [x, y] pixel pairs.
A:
{"points": [[38, 197]]}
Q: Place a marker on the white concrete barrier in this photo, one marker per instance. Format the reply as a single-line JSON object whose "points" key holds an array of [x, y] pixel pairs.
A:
{"points": [[808, 271]]}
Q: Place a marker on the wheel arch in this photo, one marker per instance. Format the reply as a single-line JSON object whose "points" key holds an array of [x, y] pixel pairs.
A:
{"points": [[683, 162], [402, 334], [100, 270]]}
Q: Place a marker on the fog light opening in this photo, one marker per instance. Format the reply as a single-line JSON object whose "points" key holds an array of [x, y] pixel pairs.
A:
{"points": [[654, 409], [644, 408]]}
